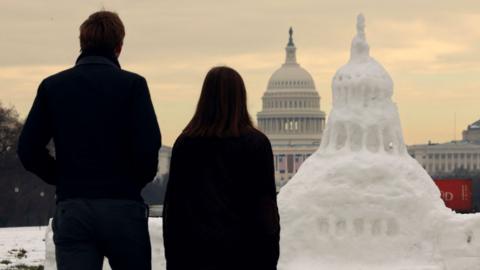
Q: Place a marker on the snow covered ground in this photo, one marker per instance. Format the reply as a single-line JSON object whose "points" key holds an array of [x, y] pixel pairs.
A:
{"points": [[22, 246]]}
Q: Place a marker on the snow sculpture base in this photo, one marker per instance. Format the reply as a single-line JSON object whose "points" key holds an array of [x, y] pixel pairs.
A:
{"points": [[361, 202], [371, 211]]}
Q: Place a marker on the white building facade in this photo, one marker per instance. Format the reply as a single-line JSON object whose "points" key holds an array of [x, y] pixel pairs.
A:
{"points": [[291, 116], [443, 158]]}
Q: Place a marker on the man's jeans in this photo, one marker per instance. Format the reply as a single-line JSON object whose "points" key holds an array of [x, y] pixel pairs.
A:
{"points": [[87, 230]]}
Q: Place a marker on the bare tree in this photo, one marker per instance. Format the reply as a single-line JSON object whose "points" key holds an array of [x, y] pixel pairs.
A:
{"points": [[10, 127]]}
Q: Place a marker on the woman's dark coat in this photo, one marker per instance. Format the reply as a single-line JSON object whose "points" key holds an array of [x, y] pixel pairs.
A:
{"points": [[220, 208]]}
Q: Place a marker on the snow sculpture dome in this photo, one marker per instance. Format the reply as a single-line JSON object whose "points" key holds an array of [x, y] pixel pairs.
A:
{"points": [[291, 75], [361, 201], [362, 73], [362, 91]]}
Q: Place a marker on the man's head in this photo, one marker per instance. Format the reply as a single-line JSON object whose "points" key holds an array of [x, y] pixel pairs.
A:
{"points": [[102, 31]]}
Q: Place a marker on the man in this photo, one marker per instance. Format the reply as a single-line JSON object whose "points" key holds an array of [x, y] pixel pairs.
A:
{"points": [[106, 138]]}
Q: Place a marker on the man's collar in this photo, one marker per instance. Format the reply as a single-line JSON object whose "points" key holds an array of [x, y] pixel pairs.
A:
{"points": [[95, 59]]}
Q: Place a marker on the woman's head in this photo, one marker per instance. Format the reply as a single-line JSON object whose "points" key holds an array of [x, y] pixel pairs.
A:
{"points": [[222, 107]]}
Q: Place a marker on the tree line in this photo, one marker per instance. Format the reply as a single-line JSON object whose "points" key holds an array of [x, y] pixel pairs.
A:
{"points": [[25, 200]]}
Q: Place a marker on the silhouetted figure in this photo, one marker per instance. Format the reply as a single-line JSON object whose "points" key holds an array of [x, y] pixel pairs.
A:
{"points": [[106, 140], [220, 208]]}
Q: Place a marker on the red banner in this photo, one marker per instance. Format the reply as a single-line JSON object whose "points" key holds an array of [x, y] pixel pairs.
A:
{"points": [[456, 193]]}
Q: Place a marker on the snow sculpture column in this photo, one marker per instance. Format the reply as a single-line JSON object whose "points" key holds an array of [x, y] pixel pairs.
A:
{"points": [[360, 201]]}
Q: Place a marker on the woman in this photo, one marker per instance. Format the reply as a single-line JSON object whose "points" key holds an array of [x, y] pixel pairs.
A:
{"points": [[220, 207]]}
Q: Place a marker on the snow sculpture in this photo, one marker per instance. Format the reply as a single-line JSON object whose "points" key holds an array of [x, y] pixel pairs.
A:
{"points": [[360, 201]]}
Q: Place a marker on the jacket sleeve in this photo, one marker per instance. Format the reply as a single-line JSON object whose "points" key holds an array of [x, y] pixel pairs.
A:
{"points": [[146, 139], [265, 209], [36, 134]]}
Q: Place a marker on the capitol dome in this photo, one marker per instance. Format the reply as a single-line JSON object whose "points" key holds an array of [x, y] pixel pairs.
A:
{"points": [[291, 116], [291, 75]]}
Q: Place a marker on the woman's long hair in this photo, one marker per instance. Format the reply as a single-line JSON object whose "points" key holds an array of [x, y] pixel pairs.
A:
{"points": [[222, 107]]}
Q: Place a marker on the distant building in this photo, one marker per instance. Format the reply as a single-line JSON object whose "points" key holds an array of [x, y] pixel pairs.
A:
{"points": [[472, 133], [164, 157], [154, 192], [439, 159], [291, 116], [444, 158]]}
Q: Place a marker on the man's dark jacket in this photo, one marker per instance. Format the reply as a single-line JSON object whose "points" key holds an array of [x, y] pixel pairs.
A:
{"points": [[104, 129]]}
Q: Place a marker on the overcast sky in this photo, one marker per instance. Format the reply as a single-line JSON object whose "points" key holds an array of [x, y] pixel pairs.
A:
{"points": [[431, 49]]}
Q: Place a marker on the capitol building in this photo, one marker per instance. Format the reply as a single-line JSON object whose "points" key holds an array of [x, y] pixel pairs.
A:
{"points": [[291, 116]]}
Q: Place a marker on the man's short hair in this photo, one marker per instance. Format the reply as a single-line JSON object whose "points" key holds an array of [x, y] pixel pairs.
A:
{"points": [[103, 30]]}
